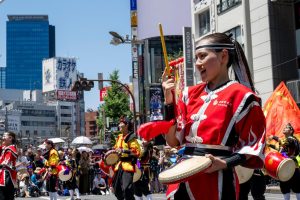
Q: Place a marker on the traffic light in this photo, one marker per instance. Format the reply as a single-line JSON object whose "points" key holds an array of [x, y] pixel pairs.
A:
{"points": [[83, 84]]}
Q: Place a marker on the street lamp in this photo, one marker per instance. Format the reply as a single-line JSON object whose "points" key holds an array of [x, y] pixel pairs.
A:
{"points": [[118, 39], [87, 84]]}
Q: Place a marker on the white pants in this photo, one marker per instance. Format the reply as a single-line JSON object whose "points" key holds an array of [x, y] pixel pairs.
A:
{"points": [[53, 195]]}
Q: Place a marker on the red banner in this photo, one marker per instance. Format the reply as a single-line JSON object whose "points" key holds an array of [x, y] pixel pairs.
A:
{"points": [[103, 93], [279, 110]]}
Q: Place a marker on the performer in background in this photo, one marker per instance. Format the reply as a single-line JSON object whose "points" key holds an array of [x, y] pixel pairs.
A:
{"points": [[219, 118], [141, 187], [256, 184], [52, 160], [8, 173], [289, 147], [129, 149], [71, 184]]}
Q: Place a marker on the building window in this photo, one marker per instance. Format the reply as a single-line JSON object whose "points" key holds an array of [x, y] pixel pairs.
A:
{"points": [[236, 34], [226, 5], [204, 23]]}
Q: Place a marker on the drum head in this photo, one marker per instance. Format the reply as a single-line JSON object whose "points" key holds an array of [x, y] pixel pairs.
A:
{"points": [[63, 177], [111, 158], [286, 170], [243, 173], [184, 169], [137, 174]]}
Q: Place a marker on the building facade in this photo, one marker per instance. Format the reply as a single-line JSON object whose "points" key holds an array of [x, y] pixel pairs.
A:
{"points": [[31, 121], [2, 77], [145, 16], [270, 41], [29, 40], [59, 73], [91, 128]]}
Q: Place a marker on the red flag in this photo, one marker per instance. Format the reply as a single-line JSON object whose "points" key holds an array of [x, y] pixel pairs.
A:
{"points": [[279, 110], [150, 130]]}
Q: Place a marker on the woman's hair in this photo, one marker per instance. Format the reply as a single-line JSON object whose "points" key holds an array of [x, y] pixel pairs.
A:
{"points": [[220, 38], [49, 142], [236, 54], [128, 122], [12, 135]]}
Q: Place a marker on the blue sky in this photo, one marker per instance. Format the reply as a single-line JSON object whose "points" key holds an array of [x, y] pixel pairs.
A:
{"points": [[81, 31]]}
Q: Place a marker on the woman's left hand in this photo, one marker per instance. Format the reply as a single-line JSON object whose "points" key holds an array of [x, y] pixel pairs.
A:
{"points": [[216, 165]]}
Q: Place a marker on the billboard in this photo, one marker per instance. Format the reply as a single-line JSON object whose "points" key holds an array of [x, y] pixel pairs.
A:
{"points": [[66, 95], [103, 93], [59, 73], [155, 103], [166, 12], [13, 123]]}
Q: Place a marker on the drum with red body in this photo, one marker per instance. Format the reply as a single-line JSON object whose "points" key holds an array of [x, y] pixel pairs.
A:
{"points": [[64, 172], [279, 167]]}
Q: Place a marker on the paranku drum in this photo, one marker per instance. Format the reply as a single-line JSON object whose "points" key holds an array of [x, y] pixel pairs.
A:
{"points": [[185, 169], [111, 157], [279, 167], [137, 174], [64, 172], [243, 173]]}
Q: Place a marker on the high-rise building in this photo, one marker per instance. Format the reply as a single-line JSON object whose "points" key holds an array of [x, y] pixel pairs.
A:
{"points": [[30, 39], [2, 77]]}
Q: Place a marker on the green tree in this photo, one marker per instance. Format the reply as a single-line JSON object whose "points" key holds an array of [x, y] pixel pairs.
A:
{"points": [[116, 103], [117, 100], [100, 124]]}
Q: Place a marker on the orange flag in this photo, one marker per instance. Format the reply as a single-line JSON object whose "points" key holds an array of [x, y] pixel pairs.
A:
{"points": [[279, 110]]}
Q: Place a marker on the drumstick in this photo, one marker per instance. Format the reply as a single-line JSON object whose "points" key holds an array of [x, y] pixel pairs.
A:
{"points": [[163, 44]]}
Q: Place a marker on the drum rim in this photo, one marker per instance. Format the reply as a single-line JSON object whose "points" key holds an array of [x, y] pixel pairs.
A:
{"points": [[249, 175], [185, 175], [113, 153], [68, 176], [279, 167], [137, 169]]}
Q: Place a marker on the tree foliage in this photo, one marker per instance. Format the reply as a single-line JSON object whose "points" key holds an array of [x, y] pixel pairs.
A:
{"points": [[117, 99]]}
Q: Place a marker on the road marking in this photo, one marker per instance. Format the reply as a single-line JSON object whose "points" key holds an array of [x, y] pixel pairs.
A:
{"points": [[48, 198]]}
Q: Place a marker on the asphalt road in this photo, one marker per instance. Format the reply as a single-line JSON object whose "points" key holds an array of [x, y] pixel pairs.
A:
{"points": [[269, 196]]}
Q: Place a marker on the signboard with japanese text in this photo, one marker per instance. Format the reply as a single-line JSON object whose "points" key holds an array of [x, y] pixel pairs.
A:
{"points": [[188, 52], [59, 73], [66, 95], [133, 5]]}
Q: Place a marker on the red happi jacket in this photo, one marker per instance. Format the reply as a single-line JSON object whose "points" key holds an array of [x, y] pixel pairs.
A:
{"points": [[228, 117], [8, 159]]}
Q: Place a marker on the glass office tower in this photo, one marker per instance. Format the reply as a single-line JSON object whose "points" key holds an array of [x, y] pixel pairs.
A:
{"points": [[29, 40], [2, 77]]}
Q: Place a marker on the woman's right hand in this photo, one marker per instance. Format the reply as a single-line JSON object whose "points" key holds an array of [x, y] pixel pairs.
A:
{"points": [[168, 85]]}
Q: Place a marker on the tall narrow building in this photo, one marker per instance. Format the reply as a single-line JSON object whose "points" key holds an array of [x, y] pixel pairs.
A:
{"points": [[30, 39], [2, 77]]}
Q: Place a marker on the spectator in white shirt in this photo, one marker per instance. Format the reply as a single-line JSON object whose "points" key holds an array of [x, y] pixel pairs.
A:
{"points": [[99, 185]]}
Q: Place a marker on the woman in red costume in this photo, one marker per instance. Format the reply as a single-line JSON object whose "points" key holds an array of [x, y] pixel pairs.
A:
{"points": [[8, 173], [218, 118]]}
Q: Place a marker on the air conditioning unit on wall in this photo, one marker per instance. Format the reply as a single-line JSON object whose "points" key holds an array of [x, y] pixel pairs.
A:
{"points": [[294, 88]]}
